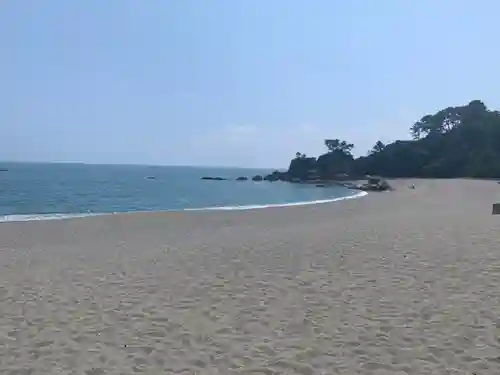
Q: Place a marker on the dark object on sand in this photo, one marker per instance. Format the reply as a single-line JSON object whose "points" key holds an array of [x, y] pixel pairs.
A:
{"points": [[376, 184], [496, 209]]}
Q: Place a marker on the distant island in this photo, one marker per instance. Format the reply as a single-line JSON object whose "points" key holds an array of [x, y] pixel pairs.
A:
{"points": [[462, 141]]}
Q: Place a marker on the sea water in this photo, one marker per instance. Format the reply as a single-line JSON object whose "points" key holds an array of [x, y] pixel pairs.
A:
{"points": [[34, 191]]}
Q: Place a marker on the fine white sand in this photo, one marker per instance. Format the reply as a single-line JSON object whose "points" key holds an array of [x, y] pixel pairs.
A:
{"points": [[406, 282]]}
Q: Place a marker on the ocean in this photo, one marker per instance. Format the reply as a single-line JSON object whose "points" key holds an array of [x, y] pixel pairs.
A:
{"points": [[35, 191]]}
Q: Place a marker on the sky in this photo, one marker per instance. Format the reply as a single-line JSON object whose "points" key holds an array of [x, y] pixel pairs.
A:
{"points": [[233, 82]]}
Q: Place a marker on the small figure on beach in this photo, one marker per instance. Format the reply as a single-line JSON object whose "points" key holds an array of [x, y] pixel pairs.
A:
{"points": [[412, 186]]}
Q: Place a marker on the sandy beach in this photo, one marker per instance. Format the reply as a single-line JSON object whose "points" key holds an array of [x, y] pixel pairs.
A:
{"points": [[403, 282]]}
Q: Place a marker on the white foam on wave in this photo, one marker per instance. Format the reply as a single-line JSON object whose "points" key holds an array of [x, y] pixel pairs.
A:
{"points": [[290, 204], [56, 216], [35, 217]]}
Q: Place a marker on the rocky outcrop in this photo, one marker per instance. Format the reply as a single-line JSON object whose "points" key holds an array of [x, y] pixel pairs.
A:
{"points": [[306, 170], [333, 166], [214, 178], [375, 184], [276, 176], [302, 168]]}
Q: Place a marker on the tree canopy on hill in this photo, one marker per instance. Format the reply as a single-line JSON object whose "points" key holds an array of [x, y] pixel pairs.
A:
{"points": [[462, 141]]}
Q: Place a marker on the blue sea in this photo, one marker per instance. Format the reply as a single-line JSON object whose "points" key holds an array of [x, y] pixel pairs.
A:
{"points": [[35, 191]]}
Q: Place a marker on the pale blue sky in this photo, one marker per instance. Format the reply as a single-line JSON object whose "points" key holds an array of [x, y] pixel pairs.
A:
{"points": [[233, 82]]}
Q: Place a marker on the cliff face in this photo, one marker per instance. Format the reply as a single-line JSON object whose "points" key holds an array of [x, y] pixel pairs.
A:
{"points": [[330, 166], [333, 164], [302, 168]]}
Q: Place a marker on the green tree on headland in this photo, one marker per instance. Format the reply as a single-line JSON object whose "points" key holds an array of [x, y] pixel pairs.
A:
{"points": [[336, 145], [460, 141], [378, 147]]}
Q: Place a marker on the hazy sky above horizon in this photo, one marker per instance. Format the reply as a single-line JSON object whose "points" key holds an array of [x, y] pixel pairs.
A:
{"points": [[233, 82]]}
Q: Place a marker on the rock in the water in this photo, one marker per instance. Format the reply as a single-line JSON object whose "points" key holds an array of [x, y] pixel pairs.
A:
{"points": [[242, 179], [214, 178], [257, 178], [272, 177], [277, 176]]}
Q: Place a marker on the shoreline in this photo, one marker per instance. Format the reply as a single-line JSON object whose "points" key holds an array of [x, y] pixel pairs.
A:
{"points": [[401, 183], [16, 218]]}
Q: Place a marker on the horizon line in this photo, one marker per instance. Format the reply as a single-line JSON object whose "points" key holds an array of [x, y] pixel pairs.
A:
{"points": [[134, 164]]}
